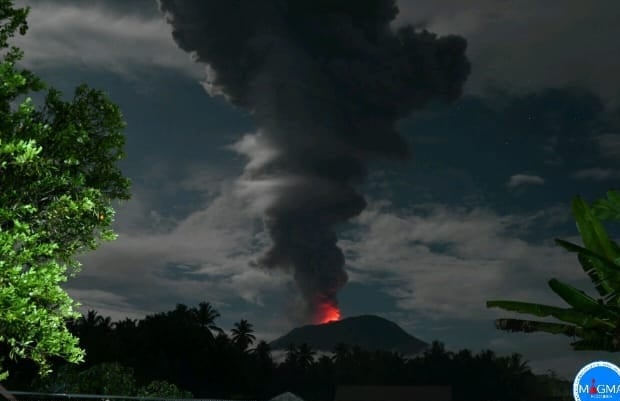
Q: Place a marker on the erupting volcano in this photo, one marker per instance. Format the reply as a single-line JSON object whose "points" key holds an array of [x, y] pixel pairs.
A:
{"points": [[327, 313], [367, 332], [326, 82]]}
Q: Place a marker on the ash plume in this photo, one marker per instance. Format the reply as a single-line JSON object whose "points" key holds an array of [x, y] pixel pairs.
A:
{"points": [[326, 81]]}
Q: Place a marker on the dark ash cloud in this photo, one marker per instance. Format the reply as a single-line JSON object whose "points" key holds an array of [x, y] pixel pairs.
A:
{"points": [[326, 81], [526, 45]]}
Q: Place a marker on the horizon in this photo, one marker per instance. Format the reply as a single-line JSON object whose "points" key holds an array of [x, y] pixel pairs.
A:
{"points": [[279, 354]]}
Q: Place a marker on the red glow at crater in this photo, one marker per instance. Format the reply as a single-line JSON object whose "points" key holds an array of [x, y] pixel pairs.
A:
{"points": [[327, 313]]}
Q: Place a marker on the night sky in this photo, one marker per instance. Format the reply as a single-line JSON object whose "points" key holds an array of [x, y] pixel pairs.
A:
{"points": [[470, 216]]}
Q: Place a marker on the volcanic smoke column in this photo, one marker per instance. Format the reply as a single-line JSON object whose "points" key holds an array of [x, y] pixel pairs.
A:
{"points": [[326, 81]]}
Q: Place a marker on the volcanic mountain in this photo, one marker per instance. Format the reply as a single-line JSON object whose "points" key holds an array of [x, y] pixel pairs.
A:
{"points": [[367, 332]]}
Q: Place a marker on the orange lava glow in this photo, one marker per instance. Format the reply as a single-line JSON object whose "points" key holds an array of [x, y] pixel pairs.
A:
{"points": [[328, 313]]}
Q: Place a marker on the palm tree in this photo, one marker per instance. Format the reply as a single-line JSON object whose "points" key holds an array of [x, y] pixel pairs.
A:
{"points": [[262, 351], [126, 324], [463, 357], [305, 356], [516, 365], [221, 342], [242, 334], [291, 355], [93, 319], [180, 309], [437, 353], [93, 330], [595, 322], [93, 322], [341, 353], [206, 315]]}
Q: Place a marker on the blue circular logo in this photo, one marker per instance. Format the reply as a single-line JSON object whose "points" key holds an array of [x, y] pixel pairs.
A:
{"points": [[597, 380]]}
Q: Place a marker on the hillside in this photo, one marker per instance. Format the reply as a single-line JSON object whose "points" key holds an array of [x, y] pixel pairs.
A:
{"points": [[368, 332]]}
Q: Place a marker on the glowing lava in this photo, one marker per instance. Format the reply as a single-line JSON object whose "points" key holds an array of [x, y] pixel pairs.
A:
{"points": [[328, 313]]}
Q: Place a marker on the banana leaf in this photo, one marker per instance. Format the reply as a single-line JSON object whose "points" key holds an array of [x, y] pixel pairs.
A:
{"points": [[566, 315], [531, 326], [607, 209], [606, 282], [592, 231], [590, 339], [604, 273], [611, 264], [581, 301], [596, 323], [616, 249]]}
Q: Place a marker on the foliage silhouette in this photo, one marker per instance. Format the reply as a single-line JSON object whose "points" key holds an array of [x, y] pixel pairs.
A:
{"points": [[595, 322], [176, 348], [242, 335]]}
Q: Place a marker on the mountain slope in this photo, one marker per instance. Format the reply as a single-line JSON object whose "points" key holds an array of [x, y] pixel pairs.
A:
{"points": [[368, 332]]}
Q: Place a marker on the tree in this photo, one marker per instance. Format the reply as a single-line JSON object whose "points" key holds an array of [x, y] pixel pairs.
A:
{"points": [[342, 352], [594, 322], [104, 378], [262, 352], [58, 177], [206, 316], [163, 389], [290, 359], [94, 332], [263, 364], [242, 334], [305, 356]]}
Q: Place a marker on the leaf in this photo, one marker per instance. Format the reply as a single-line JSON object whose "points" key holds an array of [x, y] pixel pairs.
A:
{"points": [[605, 278], [531, 326], [602, 344], [604, 273], [608, 209], [593, 233], [581, 301], [566, 315]]}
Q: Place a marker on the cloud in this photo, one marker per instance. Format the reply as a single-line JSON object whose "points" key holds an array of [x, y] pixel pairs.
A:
{"points": [[504, 38], [120, 38], [107, 303], [525, 45], [204, 256], [524, 179], [446, 263], [81, 35], [597, 174]]}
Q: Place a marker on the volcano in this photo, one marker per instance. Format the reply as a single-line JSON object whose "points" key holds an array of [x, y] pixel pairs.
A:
{"points": [[369, 332]]}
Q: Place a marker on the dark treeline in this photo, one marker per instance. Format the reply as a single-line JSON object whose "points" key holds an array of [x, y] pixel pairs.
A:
{"points": [[185, 349]]}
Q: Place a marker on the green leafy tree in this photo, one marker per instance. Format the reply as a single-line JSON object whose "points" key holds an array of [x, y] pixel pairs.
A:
{"points": [[58, 179], [594, 322]]}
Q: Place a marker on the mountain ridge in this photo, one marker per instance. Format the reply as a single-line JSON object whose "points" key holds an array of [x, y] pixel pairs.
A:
{"points": [[369, 332]]}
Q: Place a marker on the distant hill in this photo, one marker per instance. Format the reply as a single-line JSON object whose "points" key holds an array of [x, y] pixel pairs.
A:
{"points": [[368, 332]]}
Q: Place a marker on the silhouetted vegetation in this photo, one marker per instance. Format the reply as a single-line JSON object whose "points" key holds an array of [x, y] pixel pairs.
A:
{"points": [[183, 351], [593, 322]]}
